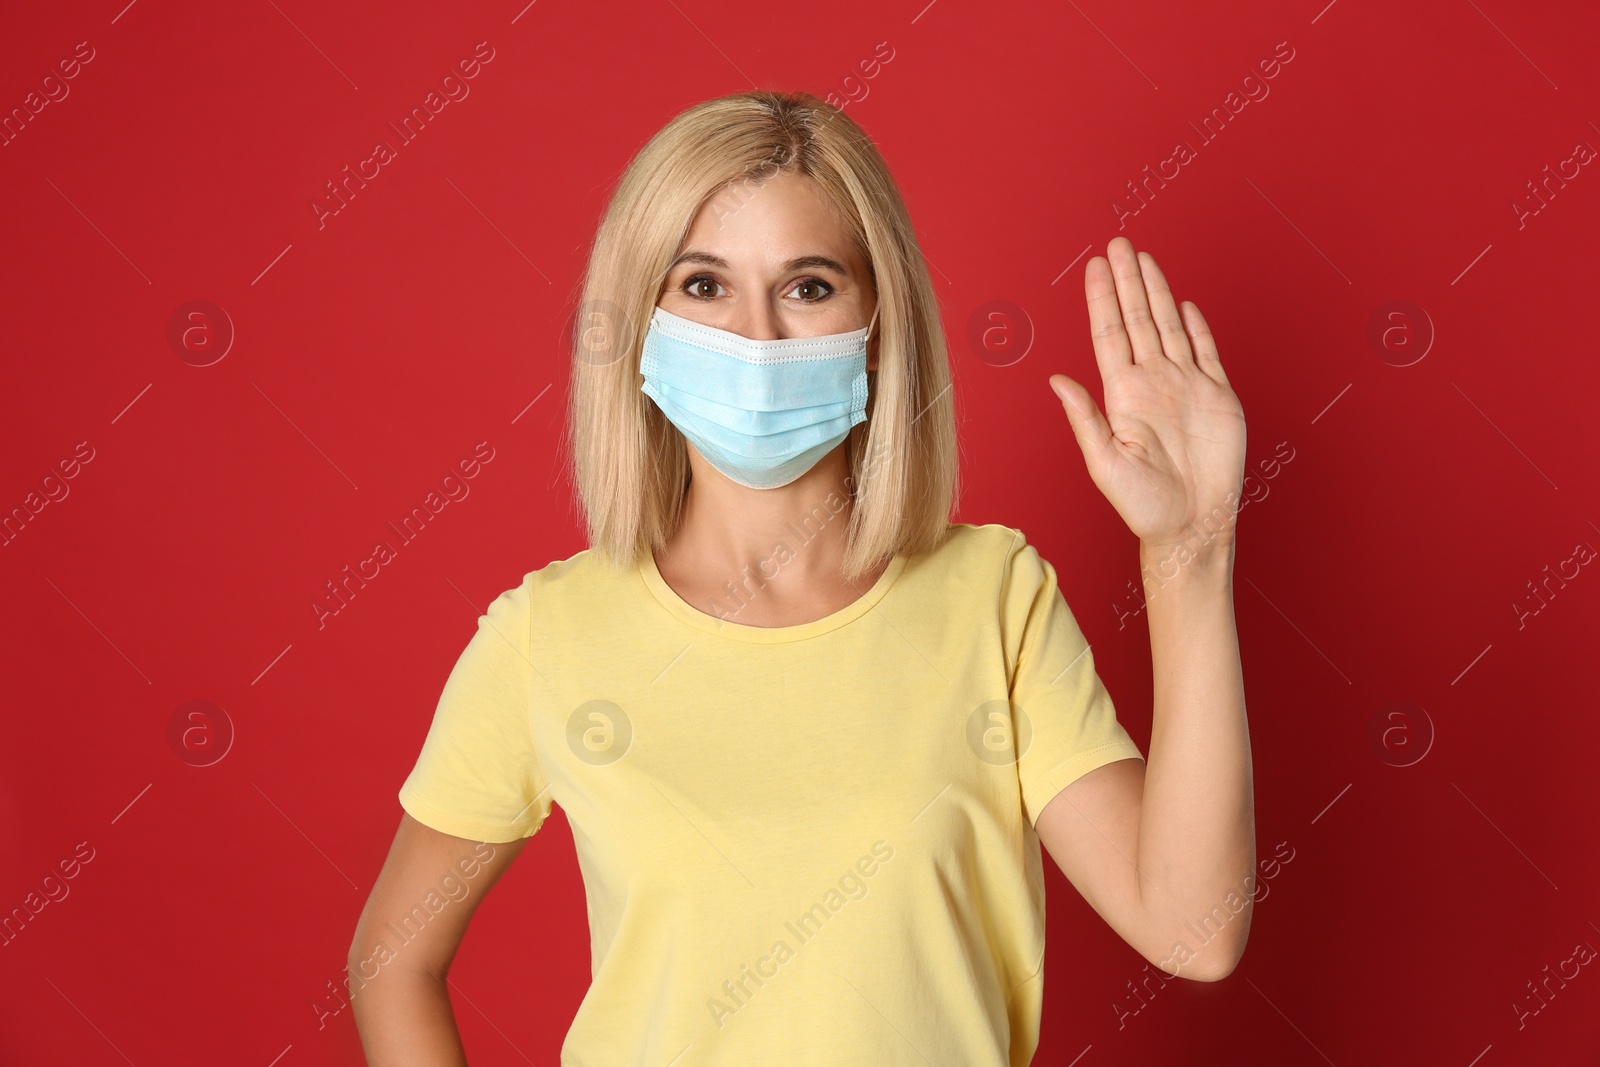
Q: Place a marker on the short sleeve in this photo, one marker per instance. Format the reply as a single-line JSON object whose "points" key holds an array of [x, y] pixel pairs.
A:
{"points": [[1066, 724], [477, 776]]}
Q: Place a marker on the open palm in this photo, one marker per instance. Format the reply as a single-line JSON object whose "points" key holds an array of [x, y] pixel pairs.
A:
{"points": [[1169, 451]]}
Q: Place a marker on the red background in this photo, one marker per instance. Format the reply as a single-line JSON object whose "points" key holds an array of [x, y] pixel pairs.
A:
{"points": [[372, 353]]}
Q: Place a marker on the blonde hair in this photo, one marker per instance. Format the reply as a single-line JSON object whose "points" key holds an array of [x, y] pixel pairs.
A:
{"points": [[629, 464]]}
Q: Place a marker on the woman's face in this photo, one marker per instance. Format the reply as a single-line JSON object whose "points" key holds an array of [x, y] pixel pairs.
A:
{"points": [[771, 261]]}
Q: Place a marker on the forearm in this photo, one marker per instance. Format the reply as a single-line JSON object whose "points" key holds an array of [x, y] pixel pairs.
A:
{"points": [[1196, 841], [404, 1019]]}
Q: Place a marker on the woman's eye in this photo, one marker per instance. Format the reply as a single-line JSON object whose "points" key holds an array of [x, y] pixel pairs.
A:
{"points": [[695, 286], [814, 285]]}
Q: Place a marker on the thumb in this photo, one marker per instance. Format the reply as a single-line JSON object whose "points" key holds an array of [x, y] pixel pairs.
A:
{"points": [[1088, 425]]}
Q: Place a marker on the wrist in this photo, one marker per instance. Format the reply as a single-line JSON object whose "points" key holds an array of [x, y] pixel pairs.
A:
{"points": [[1202, 555]]}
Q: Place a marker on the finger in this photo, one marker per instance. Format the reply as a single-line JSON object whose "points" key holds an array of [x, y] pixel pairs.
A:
{"points": [[1205, 346], [1111, 349], [1131, 297], [1088, 425], [1174, 342]]}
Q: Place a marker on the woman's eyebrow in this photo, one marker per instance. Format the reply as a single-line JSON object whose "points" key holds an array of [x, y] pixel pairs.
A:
{"points": [[706, 259]]}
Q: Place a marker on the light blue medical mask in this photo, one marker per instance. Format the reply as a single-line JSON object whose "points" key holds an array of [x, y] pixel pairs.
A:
{"points": [[761, 412]]}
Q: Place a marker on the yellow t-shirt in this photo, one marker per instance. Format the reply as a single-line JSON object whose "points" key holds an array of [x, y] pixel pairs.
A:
{"points": [[800, 845]]}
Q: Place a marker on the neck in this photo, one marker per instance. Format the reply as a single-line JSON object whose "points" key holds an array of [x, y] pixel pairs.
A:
{"points": [[799, 527]]}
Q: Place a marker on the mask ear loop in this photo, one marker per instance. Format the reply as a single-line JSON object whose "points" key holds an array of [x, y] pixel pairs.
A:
{"points": [[870, 324]]}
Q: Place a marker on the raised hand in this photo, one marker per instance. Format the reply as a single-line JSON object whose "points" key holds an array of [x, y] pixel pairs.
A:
{"points": [[1169, 451]]}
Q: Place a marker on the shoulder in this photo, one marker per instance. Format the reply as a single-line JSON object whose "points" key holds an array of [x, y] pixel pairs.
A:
{"points": [[556, 578], [998, 560], [566, 597], [993, 544], [971, 538], [978, 566], [583, 568]]}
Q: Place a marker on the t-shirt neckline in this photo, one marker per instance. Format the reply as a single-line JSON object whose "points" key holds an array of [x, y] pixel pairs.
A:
{"points": [[737, 631]]}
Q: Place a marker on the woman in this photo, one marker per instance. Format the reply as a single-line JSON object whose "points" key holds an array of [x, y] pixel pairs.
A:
{"points": [[808, 733]]}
